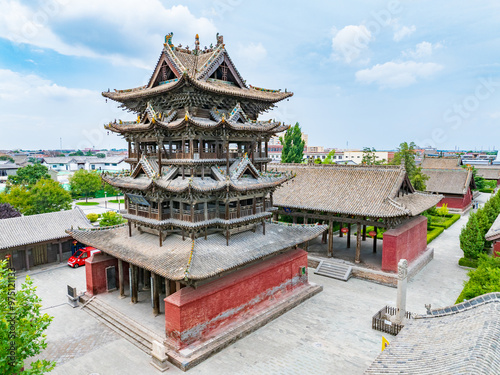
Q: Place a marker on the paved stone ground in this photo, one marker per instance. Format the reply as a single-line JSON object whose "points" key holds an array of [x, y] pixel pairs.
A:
{"points": [[330, 333], [102, 207]]}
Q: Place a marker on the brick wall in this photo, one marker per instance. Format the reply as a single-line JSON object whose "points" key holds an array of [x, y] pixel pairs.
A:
{"points": [[195, 314], [407, 241], [458, 202], [95, 272]]}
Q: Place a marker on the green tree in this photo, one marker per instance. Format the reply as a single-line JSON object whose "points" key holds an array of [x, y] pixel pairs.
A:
{"points": [[48, 195], [77, 153], [471, 239], [111, 218], [406, 154], [293, 145], [89, 153], [484, 279], [329, 157], [317, 161], [7, 157], [85, 183], [101, 155], [28, 175], [22, 326], [110, 190]]}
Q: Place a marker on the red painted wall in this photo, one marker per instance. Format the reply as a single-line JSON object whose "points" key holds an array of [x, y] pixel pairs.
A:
{"points": [[496, 249], [95, 272], [457, 202], [407, 241], [196, 314]]}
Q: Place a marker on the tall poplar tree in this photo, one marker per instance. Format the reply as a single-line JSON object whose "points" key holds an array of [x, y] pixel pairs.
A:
{"points": [[293, 145]]}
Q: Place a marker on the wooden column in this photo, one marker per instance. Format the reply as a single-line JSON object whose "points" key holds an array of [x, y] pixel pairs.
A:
{"points": [[227, 158], [160, 237], [227, 210], [330, 239], [238, 209], [349, 236], [364, 232], [200, 148], [294, 219], [121, 286], [177, 286], [135, 283], [130, 229], [357, 257], [156, 293], [305, 220], [160, 147], [341, 234], [27, 258], [266, 152], [254, 206], [205, 210], [170, 149], [253, 152], [264, 228], [168, 290], [192, 212], [60, 252], [375, 240]]}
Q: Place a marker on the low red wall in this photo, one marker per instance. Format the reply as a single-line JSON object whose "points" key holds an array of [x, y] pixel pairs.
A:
{"points": [[195, 314], [457, 202], [407, 241], [95, 272], [496, 249]]}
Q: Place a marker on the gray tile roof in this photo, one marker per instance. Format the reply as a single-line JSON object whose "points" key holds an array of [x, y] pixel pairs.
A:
{"points": [[488, 172], [494, 231], [448, 181], [459, 339], [178, 259], [26, 230], [450, 162], [353, 190]]}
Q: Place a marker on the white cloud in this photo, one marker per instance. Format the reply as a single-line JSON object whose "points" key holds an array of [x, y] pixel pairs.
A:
{"points": [[351, 43], [253, 52], [36, 112], [422, 50], [45, 25], [402, 32], [394, 75]]}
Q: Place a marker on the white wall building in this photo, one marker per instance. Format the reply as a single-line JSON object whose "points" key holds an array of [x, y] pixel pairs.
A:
{"points": [[89, 163]]}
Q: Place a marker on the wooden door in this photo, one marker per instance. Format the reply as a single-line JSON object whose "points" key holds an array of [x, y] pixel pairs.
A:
{"points": [[39, 254]]}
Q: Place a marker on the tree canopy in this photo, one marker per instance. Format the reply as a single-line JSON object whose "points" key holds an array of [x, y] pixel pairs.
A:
{"points": [[406, 154], [293, 145], [6, 157], [44, 196], [329, 157], [77, 153], [85, 183], [28, 175], [20, 312], [7, 211]]}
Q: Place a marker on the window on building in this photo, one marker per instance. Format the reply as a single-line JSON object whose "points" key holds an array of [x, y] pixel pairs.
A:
{"points": [[54, 166]]}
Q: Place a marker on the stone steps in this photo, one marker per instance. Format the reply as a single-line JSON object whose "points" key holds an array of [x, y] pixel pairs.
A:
{"points": [[340, 271], [129, 329]]}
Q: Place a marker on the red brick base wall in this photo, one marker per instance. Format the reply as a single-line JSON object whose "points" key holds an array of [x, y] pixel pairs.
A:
{"points": [[496, 249], [407, 241], [95, 272], [193, 315], [460, 203]]}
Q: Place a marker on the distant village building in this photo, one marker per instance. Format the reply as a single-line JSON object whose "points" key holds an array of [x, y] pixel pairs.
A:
{"points": [[447, 177], [7, 169], [199, 204], [39, 239], [89, 163]]}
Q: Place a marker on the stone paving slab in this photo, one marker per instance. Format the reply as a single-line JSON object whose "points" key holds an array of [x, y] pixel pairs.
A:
{"points": [[329, 333]]}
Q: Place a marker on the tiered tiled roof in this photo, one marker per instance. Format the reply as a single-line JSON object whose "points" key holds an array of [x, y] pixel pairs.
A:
{"points": [[448, 162], [353, 190], [193, 67], [459, 339], [199, 259], [488, 172], [234, 182], [26, 230], [449, 181]]}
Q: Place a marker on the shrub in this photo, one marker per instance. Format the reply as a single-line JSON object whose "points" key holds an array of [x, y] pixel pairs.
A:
{"points": [[111, 218], [429, 220], [487, 190], [433, 233], [471, 239], [464, 262], [447, 223], [484, 279], [92, 217], [443, 210], [432, 211]]}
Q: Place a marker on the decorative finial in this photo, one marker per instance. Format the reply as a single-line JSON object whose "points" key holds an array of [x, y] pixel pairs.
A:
{"points": [[197, 42], [220, 39]]}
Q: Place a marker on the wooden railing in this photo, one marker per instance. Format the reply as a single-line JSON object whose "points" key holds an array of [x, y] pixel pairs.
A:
{"points": [[381, 323]]}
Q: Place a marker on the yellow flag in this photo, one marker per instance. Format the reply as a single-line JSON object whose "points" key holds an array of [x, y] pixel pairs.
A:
{"points": [[385, 343]]}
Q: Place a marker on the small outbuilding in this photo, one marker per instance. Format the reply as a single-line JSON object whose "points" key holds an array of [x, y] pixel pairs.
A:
{"points": [[38, 239]]}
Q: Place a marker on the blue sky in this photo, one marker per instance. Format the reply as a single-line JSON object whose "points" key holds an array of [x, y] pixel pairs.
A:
{"points": [[364, 73]]}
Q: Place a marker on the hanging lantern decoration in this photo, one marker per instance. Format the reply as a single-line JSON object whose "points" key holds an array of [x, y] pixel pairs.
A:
{"points": [[8, 256], [344, 230], [372, 233]]}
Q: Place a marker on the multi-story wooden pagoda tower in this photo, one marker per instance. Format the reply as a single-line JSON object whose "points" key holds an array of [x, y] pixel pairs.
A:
{"points": [[199, 202]]}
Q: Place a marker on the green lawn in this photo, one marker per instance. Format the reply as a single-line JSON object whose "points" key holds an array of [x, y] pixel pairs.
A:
{"points": [[116, 201], [87, 203]]}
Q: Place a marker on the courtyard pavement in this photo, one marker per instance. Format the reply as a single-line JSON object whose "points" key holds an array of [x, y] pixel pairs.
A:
{"points": [[328, 334]]}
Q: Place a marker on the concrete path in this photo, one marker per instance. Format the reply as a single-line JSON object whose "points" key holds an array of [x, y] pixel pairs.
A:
{"points": [[328, 334], [103, 206]]}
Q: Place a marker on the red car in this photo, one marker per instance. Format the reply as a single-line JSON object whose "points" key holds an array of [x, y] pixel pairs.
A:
{"points": [[78, 259]]}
